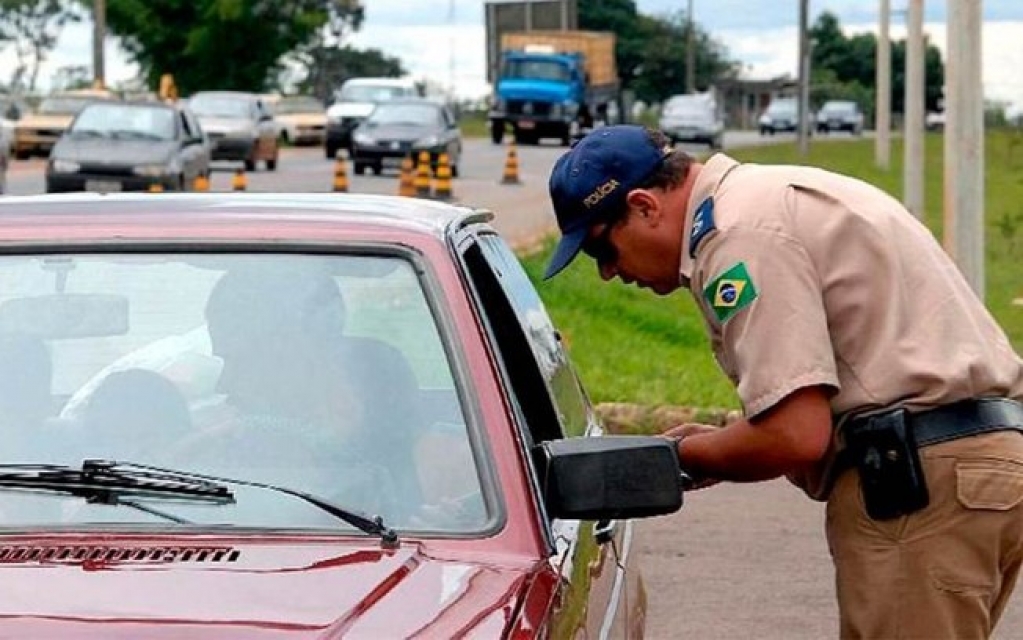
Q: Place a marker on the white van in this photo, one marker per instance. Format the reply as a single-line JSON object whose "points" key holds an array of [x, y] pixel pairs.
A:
{"points": [[354, 101]]}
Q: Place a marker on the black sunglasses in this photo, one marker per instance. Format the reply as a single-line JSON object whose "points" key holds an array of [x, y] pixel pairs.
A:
{"points": [[600, 247]]}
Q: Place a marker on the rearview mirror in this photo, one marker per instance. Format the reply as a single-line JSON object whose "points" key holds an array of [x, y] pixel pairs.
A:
{"points": [[610, 477], [66, 315]]}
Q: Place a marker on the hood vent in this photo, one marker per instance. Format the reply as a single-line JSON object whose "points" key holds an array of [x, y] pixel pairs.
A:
{"points": [[93, 554]]}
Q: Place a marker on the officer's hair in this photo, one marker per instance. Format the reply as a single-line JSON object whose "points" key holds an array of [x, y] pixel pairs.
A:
{"points": [[675, 168]]}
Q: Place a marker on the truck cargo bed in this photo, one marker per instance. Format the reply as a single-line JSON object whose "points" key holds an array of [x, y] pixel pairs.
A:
{"points": [[597, 47]]}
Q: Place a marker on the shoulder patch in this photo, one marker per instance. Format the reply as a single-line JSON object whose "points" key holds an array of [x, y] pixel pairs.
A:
{"points": [[703, 223], [730, 292]]}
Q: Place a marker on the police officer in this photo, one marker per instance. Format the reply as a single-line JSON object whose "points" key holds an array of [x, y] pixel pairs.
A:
{"points": [[870, 374]]}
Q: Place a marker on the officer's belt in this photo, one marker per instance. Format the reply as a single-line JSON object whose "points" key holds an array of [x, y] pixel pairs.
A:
{"points": [[959, 420]]}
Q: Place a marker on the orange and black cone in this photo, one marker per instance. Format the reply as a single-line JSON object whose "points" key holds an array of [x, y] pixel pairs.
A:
{"points": [[422, 181], [238, 181], [511, 167], [340, 174], [201, 183], [406, 183], [442, 183]]}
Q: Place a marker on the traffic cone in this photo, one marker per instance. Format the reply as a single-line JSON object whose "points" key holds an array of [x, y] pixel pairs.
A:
{"points": [[156, 187], [422, 181], [511, 166], [340, 175], [238, 181], [442, 183], [406, 183], [201, 183]]}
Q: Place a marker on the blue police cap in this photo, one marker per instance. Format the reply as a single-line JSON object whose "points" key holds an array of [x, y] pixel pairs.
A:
{"points": [[590, 181]]}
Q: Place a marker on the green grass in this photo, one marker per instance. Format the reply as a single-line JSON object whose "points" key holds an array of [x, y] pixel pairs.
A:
{"points": [[474, 125], [632, 346]]}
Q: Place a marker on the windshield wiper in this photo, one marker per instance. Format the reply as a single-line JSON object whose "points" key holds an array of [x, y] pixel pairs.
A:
{"points": [[135, 135], [103, 482], [372, 525]]}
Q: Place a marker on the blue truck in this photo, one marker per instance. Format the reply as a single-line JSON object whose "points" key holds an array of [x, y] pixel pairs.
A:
{"points": [[553, 84]]}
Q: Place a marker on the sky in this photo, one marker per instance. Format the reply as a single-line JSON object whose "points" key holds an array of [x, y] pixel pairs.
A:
{"points": [[443, 40]]}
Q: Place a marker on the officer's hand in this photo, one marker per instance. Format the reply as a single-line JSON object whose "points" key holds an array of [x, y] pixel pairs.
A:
{"points": [[684, 431]]}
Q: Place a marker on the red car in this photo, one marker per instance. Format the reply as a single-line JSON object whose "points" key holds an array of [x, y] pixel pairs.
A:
{"points": [[300, 416]]}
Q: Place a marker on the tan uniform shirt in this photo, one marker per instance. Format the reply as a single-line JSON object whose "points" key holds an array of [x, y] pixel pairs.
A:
{"points": [[807, 277]]}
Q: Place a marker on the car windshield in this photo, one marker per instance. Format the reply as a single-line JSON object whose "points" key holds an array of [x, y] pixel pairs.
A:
{"points": [[839, 107], [782, 107], [298, 105], [537, 69], [688, 106], [324, 374], [64, 105], [373, 93], [128, 121], [405, 114], [219, 106]]}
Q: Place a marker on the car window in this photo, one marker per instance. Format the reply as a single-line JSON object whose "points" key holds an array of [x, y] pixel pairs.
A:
{"points": [[63, 105], [326, 374], [373, 93], [128, 121], [398, 113], [298, 105], [220, 106], [542, 377]]}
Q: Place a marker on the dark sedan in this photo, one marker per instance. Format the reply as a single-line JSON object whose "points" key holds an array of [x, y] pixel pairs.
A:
{"points": [[129, 147], [399, 128]]}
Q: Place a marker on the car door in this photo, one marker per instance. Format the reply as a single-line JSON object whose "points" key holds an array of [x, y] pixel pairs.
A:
{"points": [[597, 596]]}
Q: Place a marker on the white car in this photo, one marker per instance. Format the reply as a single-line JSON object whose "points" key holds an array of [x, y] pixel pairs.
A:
{"points": [[355, 100], [840, 115], [692, 118], [300, 119]]}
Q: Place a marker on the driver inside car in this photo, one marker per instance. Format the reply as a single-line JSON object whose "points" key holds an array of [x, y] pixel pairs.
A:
{"points": [[287, 411]]}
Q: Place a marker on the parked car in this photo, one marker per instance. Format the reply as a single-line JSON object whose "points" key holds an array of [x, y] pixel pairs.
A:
{"points": [[353, 103], [781, 116], [300, 119], [129, 146], [301, 415], [840, 115], [398, 128], [35, 133], [693, 118], [239, 125], [935, 121]]}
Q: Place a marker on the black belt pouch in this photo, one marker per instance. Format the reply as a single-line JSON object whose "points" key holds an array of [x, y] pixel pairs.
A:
{"points": [[885, 453]]}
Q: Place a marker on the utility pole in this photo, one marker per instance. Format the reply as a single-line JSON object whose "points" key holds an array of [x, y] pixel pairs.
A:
{"points": [[99, 33], [964, 143], [803, 103], [913, 165], [883, 113], [690, 52]]}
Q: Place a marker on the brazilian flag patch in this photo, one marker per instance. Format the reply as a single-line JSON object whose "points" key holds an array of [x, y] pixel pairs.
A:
{"points": [[730, 292]]}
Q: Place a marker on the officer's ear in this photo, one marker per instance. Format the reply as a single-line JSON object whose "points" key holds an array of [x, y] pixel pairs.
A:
{"points": [[644, 204]]}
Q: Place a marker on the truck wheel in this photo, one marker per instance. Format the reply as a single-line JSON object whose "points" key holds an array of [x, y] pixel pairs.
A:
{"points": [[497, 131]]}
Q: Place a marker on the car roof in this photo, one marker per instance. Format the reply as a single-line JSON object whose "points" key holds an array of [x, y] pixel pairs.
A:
{"points": [[227, 94], [381, 81], [259, 218]]}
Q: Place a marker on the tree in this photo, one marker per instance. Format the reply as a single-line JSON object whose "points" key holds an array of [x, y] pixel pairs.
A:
{"points": [[845, 67], [33, 26], [326, 68], [651, 51], [224, 44]]}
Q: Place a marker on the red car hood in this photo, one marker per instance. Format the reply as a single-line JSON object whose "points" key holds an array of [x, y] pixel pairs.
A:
{"points": [[289, 589]]}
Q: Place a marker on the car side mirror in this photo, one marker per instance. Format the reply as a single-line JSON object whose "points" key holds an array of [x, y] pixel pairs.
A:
{"points": [[610, 477]]}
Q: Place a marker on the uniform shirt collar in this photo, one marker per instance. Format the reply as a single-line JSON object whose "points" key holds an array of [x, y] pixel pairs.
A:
{"points": [[706, 185]]}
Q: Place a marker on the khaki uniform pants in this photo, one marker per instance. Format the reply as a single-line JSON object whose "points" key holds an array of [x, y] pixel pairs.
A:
{"points": [[945, 571]]}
